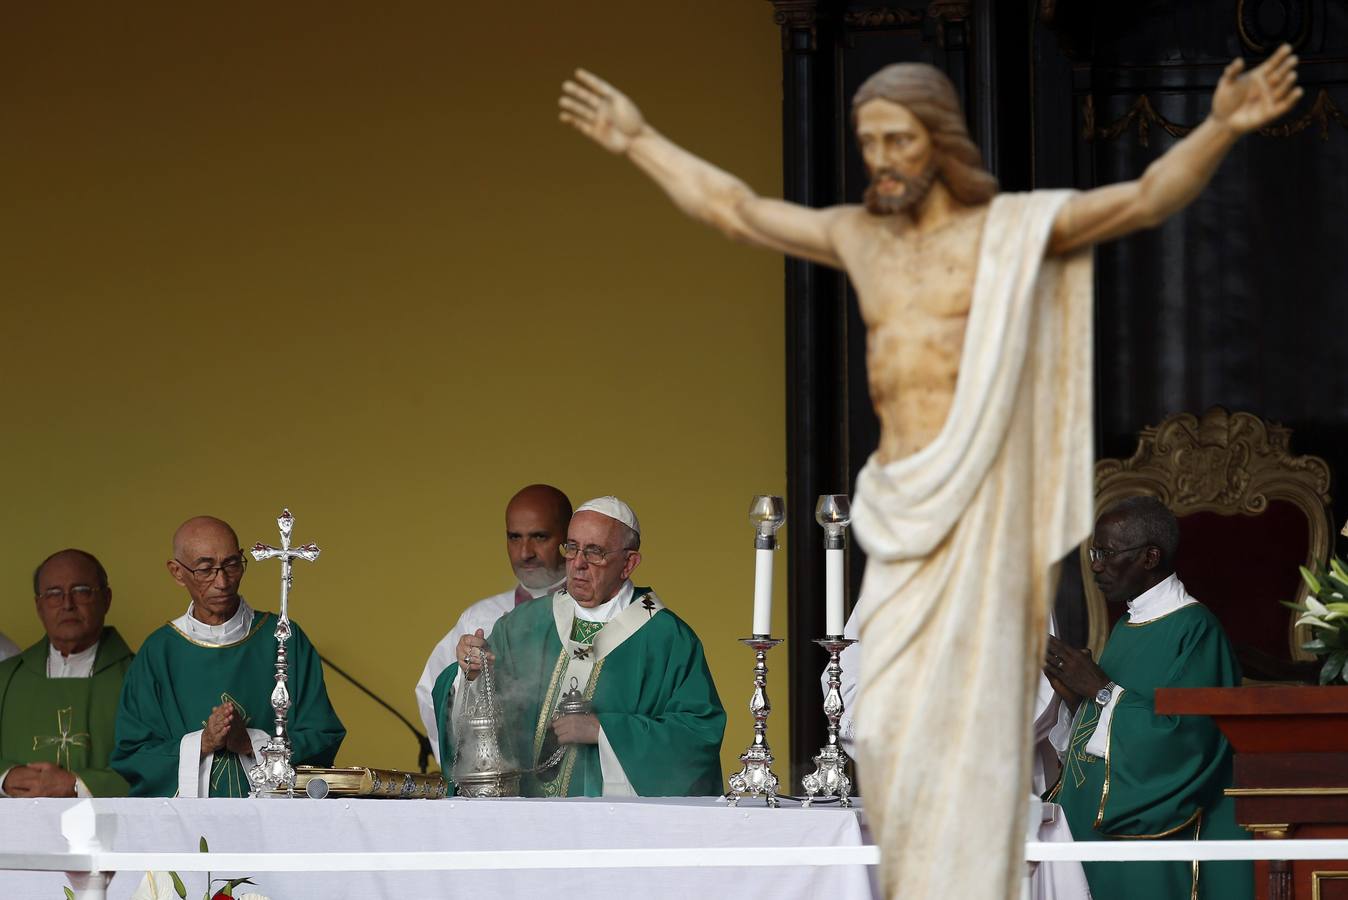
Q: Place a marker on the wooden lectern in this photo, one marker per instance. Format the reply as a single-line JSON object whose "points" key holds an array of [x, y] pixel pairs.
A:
{"points": [[1291, 773]]}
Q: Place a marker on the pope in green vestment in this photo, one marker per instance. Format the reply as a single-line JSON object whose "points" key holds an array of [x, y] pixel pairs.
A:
{"points": [[652, 693], [66, 721], [175, 682], [1128, 772]]}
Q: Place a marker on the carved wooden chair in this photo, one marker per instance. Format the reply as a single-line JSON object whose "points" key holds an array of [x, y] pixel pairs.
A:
{"points": [[1249, 513]]}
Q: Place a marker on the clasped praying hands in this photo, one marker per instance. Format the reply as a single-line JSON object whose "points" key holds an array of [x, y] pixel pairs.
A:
{"points": [[225, 730], [1073, 674]]}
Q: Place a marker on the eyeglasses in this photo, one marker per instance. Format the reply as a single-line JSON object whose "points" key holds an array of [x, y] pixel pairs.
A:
{"points": [[1104, 554], [595, 556], [233, 569], [79, 593]]}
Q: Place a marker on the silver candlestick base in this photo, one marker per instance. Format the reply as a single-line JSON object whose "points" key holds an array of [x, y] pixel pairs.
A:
{"points": [[829, 778], [756, 779]]}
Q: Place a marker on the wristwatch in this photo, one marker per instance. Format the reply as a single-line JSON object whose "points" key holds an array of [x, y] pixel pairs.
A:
{"points": [[1105, 694]]}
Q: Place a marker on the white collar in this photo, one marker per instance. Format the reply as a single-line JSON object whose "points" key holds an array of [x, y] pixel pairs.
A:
{"points": [[236, 629], [1160, 599], [545, 591], [76, 665], [605, 611]]}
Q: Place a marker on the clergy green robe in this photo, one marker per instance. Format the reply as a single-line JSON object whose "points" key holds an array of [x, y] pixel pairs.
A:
{"points": [[176, 681], [68, 721], [653, 695], [1161, 776]]}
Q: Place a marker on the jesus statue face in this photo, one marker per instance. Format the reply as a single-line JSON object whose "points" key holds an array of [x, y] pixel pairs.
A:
{"points": [[899, 156]]}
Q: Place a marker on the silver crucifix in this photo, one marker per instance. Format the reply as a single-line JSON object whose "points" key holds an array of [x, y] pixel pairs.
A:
{"points": [[274, 775]]}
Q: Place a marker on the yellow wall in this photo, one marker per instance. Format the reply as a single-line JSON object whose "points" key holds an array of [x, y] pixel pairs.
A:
{"points": [[341, 256]]}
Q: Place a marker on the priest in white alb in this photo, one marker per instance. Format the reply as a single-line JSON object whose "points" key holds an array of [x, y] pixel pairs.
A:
{"points": [[535, 526]]}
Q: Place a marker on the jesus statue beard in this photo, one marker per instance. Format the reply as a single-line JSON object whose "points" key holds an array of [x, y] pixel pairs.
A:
{"points": [[915, 190]]}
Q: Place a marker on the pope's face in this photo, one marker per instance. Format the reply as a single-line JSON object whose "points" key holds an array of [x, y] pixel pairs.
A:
{"points": [[71, 603], [593, 584], [898, 153]]}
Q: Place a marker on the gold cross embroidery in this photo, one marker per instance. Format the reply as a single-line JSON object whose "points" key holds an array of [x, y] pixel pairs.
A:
{"points": [[65, 740]]}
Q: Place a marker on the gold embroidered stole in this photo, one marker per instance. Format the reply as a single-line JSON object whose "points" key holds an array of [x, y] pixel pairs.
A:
{"points": [[582, 661]]}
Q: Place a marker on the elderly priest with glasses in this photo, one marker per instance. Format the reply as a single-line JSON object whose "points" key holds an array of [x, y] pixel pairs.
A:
{"points": [[196, 705], [655, 722], [58, 697]]}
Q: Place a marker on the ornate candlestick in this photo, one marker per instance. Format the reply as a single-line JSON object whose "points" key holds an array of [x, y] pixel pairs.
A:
{"points": [[274, 775], [829, 778], [756, 779]]}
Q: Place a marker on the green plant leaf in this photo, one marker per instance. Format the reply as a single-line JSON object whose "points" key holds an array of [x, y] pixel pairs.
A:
{"points": [[202, 847], [70, 895], [1333, 666], [1335, 584], [1338, 568], [178, 887], [1311, 580], [1316, 646]]}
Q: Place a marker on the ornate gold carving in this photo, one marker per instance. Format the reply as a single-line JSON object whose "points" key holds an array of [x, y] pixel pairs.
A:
{"points": [[1248, 27], [1319, 875], [1227, 463], [881, 18], [1322, 111], [948, 10], [1272, 832], [795, 13]]}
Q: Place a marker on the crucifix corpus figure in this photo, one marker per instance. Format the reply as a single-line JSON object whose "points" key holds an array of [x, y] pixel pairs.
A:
{"points": [[977, 308]]}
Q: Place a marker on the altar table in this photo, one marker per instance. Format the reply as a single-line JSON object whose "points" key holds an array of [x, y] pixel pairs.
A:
{"points": [[364, 825]]}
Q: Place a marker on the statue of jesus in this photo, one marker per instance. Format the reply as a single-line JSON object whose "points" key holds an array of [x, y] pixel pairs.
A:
{"points": [[978, 324]]}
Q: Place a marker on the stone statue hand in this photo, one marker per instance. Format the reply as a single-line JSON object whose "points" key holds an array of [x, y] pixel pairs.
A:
{"points": [[40, 779], [576, 729], [469, 654], [600, 112], [1251, 100]]}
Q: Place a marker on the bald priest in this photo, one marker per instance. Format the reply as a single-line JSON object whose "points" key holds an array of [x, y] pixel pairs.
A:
{"points": [[655, 724], [195, 707]]}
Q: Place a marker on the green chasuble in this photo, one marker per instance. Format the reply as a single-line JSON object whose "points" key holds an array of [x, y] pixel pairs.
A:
{"points": [[176, 681], [652, 693], [1161, 776], [68, 721]]}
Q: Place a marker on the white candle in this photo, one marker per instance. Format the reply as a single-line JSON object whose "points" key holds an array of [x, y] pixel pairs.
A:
{"points": [[762, 591], [833, 591]]}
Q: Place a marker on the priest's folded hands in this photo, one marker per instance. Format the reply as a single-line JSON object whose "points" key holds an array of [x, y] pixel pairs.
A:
{"points": [[39, 779], [225, 730], [1072, 672]]}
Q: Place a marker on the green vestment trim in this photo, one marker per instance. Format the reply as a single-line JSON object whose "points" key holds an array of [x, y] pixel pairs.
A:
{"points": [[1161, 776], [654, 698], [67, 721], [174, 684]]}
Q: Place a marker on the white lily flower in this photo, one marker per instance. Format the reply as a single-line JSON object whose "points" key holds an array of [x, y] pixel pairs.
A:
{"points": [[1315, 606], [1315, 622], [155, 886]]}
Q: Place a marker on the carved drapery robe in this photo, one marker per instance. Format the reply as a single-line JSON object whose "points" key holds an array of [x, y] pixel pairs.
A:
{"points": [[961, 539]]}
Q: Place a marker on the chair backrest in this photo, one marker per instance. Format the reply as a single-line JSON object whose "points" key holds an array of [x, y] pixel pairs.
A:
{"points": [[1249, 511]]}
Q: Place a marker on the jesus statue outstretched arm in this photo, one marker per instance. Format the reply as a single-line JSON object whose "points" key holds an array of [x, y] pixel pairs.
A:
{"points": [[605, 115], [1241, 104]]}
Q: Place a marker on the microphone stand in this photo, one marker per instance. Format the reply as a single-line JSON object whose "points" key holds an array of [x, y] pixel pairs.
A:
{"points": [[423, 742]]}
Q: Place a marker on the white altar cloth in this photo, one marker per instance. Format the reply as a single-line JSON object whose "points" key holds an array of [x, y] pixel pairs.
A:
{"points": [[33, 826]]}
